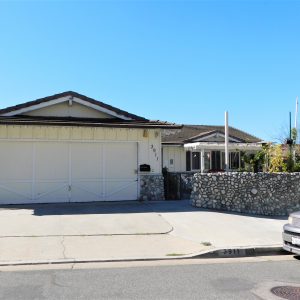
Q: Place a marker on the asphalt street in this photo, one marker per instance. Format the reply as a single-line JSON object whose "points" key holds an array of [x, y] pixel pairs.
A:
{"points": [[199, 279]]}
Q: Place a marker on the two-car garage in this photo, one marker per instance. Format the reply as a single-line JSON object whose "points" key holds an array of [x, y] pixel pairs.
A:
{"points": [[60, 171], [71, 148]]}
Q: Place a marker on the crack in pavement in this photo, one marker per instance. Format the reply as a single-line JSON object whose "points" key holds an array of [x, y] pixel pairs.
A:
{"points": [[64, 247]]}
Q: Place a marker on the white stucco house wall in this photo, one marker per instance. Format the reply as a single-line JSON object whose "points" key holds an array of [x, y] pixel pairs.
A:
{"points": [[71, 148]]}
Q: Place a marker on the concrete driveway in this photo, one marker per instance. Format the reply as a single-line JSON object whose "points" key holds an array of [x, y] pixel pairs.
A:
{"points": [[178, 218], [82, 219], [125, 230], [219, 228]]}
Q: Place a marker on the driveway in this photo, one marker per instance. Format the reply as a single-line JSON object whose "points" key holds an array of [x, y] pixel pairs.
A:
{"points": [[177, 218], [82, 219], [125, 230], [220, 229]]}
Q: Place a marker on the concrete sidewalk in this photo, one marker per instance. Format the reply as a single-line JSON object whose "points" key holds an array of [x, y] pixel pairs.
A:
{"points": [[116, 231]]}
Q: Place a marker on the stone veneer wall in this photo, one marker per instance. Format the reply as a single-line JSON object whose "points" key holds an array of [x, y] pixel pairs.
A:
{"points": [[152, 187], [271, 194]]}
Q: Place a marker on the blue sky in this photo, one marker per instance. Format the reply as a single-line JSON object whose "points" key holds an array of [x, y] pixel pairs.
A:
{"points": [[180, 61]]}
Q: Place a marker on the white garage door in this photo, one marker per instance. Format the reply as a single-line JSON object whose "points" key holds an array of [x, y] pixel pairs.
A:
{"points": [[44, 172]]}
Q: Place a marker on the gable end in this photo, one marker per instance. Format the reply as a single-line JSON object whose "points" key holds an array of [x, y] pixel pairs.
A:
{"points": [[94, 108]]}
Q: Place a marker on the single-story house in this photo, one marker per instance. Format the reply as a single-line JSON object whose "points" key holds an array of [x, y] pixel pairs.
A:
{"points": [[201, 148], [72, 148]]}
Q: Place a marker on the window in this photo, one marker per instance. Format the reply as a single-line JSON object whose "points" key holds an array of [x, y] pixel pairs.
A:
{"points": [[196, 160], [234, 160], [216, 160], [188, 160], [193, 160]]}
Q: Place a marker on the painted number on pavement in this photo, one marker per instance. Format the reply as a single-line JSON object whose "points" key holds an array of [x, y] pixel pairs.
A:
{"points": [[233, 252]]}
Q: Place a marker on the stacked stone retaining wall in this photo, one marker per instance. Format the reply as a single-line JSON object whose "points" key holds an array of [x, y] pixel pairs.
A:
{"points": [[271, 194]]}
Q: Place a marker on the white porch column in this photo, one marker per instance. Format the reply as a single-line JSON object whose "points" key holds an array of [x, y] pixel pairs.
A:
{"points": [[202, 161], [226, 143]]}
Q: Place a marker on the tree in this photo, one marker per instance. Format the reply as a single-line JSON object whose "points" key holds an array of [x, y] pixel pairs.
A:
{"points": [[276, 161]]}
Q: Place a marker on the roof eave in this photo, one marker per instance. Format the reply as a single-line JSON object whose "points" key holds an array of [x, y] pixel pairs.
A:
{"points": [[72, 94], [219, 146], [22, 121]]}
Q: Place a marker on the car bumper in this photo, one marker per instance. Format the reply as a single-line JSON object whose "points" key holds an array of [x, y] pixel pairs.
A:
{"points": [[287, 242]]}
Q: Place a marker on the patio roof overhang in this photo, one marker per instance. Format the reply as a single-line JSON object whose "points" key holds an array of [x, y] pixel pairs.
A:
{"points": [[221, 146]]}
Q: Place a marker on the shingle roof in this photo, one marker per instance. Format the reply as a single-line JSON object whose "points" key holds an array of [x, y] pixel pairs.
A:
{"points": [[134, 122], [188, 132]]}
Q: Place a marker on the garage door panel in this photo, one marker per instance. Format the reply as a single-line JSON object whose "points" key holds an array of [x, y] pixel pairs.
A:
{"points": [[121, 160], [123, 190], [120, 171], [104, 172], [86, 172], [52, 161], [87, 160], [51, 172], [86, 192], [16, 160], [15, 192], [47, 192]]}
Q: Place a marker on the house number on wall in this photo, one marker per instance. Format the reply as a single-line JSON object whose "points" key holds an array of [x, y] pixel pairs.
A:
{"points": [[154, 151]]}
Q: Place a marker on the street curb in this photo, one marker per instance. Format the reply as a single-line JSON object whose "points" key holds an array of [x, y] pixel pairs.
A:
{"points": [[212, 253], [251, 251]]}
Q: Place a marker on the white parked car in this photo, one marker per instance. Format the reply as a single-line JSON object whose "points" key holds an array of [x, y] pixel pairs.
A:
{"points": [[291, 234]]}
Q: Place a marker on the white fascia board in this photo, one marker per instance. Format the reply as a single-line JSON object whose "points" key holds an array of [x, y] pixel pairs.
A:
{"points": [[35, 107], [102, 109], [215, 134], [64, 99], [218, 146]]}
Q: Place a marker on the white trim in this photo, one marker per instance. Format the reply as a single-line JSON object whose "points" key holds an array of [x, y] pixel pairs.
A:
{"points": [[102, 109], [64, 99], [65, 141], [226, 143], [216, 134], [202, 161], [220, 146], [36, 106]]}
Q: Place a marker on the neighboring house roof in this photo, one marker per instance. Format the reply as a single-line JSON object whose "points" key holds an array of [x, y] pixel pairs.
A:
{"points": [[190, 133], [18, 114]]}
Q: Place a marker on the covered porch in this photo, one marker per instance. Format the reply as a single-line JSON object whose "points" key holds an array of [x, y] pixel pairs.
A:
{"points": [[210, 157]]}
